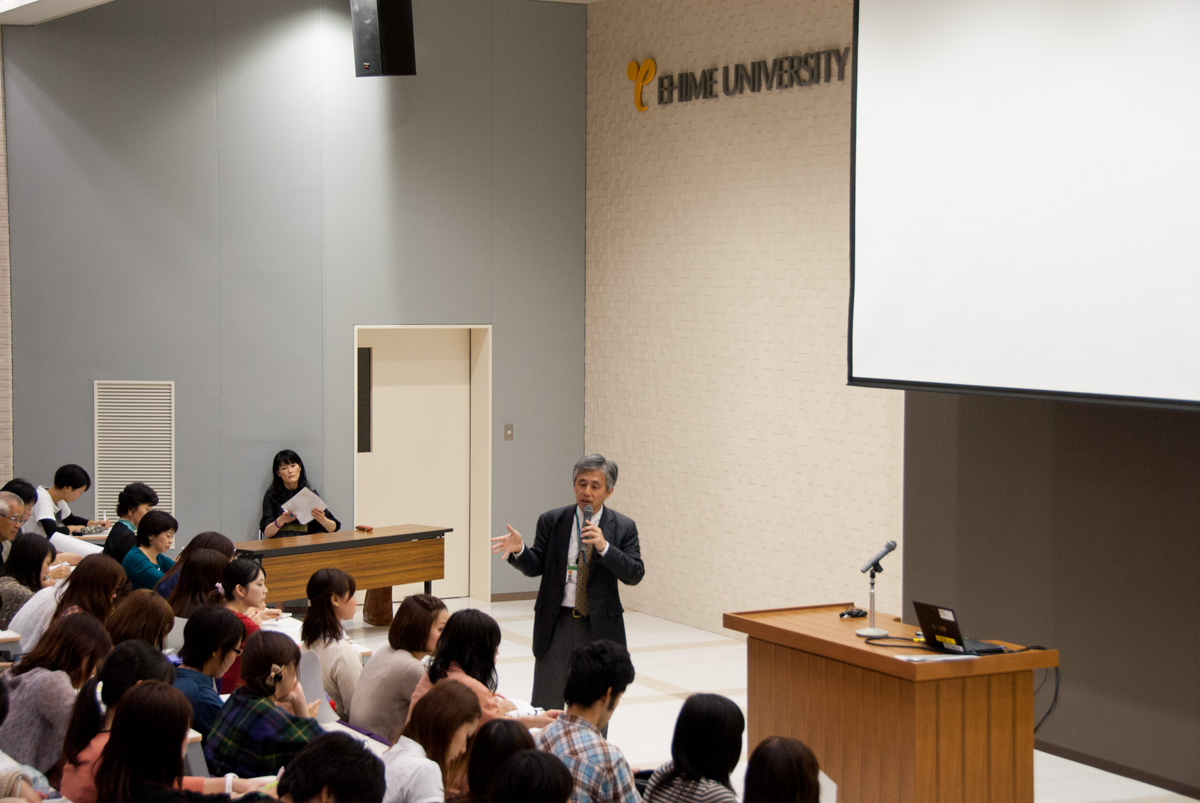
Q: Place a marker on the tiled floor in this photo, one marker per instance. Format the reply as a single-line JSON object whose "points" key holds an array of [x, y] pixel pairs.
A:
{"points": [[673, 661]]}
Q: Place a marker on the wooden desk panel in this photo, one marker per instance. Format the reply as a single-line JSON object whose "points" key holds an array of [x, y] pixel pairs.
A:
{"points": [[887, 730]]}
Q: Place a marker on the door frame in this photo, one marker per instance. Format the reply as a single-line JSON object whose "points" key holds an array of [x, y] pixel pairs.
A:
{"points": [[479, 568]]}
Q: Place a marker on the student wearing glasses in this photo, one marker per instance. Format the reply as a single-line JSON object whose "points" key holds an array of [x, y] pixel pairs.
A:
{"points": [[212, 641]]}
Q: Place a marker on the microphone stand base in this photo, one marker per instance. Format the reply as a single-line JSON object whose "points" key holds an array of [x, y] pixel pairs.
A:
{"points": [[871, 632]]}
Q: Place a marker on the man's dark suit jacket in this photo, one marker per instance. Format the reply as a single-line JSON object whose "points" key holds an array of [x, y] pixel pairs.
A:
{"points": [[548, 557]]}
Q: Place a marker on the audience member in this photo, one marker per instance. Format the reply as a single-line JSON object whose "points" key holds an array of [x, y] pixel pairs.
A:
{"points": [[19, 782], [422, 763], [387, 682], [782, 770], [141, 615], [532, 776], [331, 601], [494, 742], [333, 767], [198, 583], [146, 563], [466, 652], [705, 749], [245, 586], [93, 587], [204, 540], [212, 641], [51, 511], [598, 675], [42, 686], [143, 760], [288, 478], [26, 572], [12, 516], [263, 724], [135, 501]]}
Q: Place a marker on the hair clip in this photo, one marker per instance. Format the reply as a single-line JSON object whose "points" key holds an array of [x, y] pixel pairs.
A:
{"points": [[276, 674], [220, 588], [100, 698]]}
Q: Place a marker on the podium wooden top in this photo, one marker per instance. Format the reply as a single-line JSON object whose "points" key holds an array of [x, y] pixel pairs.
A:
{"points": [[342, 539], [819, 630]]}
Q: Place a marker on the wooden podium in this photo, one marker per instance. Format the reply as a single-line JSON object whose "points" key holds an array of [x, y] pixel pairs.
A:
{"points": [[885, 729]]}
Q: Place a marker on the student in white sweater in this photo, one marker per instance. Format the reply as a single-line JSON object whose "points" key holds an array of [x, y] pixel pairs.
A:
{"points": [[330, 602]]}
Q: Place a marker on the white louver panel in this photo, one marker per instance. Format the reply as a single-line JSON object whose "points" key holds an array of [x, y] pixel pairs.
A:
{"points": [[135, 440]]}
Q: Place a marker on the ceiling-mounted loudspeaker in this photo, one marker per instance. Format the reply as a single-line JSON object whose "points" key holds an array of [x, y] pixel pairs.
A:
{"points": [[383, 37]]}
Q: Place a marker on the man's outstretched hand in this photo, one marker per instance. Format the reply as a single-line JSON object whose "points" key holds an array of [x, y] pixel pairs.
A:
{"points": [[508, 544]]}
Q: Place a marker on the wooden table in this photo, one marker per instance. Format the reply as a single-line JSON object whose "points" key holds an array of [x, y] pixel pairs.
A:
{"points": [[405, 553], [885, 729]]}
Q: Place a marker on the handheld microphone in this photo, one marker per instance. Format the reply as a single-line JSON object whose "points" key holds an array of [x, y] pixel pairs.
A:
{"points": [[888, 547], [588, 512]]}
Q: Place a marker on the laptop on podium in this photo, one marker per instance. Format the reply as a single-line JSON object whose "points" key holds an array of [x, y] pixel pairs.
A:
{"points": [[940, 630]]}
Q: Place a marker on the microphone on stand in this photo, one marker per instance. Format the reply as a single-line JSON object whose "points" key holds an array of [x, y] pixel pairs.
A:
{"points": [[880, 555], [872, 566]]}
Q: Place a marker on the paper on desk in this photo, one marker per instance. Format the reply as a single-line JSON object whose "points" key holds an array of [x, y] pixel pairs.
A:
{"points": [[932, 659], [301, 505]]}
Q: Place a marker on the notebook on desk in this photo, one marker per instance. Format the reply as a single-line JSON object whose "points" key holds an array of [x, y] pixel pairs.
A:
{"points": [[939, 627]]}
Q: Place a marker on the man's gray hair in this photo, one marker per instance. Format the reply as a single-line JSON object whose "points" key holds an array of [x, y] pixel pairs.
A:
{"points": [[597, 462], [9, 500]]}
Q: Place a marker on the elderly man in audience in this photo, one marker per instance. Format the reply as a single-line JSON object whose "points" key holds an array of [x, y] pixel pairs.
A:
{"points": [[12, 516]]}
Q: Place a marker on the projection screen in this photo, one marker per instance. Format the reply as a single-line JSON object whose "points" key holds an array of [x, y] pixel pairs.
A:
{"points": [[1025, 185]]}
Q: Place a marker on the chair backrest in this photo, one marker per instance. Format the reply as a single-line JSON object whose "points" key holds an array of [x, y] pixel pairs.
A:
{"points": [[175, 637], [309, 674]]}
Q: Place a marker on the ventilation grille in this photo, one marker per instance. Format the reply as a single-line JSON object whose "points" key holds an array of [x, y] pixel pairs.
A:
{"points": [[135, 440]]}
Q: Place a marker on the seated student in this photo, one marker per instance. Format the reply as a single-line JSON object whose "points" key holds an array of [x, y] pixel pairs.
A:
{"points": [[598, 675], [266, 722], [330, 602], [705, 749], [385, 687], [135, 501], [205, 540], [143, 615], [333, 768], [494, 742], [212, 641], [421, 764], [23, 783], [129, 664], [199, 581], [51, 509], [26, 572], [42, 686], [92, 587], [143, 759], [532, 776], [782, 770], [245, 585], [466, 652], [12, 516], [146, 563]]}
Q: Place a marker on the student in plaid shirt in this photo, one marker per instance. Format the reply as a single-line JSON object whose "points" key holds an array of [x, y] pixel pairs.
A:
{"points": [[598, 675]]}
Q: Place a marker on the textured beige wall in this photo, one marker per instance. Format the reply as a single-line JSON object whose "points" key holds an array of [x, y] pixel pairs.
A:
{"points": [[6, 406], [717, 293]]}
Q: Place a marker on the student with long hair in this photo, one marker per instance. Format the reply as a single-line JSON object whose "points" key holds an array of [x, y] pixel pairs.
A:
{"points": [[134, 501], [143, 759], [198, 582], [333, 767], [146, 563], [26, 572], [212, 641], [532, 776], [245, 585], [494, 742], [266, 722], [331, 601], [384, 690], [42, 686], [423, 762], [466, 652], [204, 540], [705, 749], [288, 477], [782, 770], [93, 587], [18, 782], [143, 615]]}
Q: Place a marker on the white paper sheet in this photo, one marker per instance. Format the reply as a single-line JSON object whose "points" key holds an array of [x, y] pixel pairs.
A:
{"points": [[301, 505]]}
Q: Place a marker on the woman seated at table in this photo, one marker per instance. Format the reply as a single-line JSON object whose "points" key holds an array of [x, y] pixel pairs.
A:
{"points": [[245, 585], [145, 564], [26, 572], [205, 540], [330, 602], [266, 722], [135, 501], [385, 687], [93, 587], [289, 478]]}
